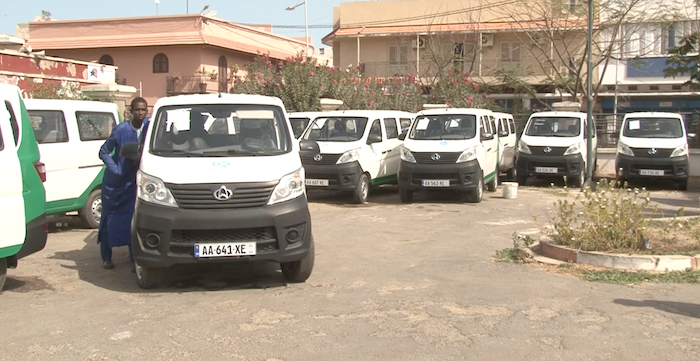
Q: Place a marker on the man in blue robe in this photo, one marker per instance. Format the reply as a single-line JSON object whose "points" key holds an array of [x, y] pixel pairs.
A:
{"points": [[119, 186]]}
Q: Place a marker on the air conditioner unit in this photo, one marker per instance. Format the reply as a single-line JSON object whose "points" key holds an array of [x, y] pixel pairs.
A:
{"points": [[418, 44], [486, 39]]}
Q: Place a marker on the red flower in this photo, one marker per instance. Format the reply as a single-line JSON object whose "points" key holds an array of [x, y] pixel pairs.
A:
{"points": [[475, 86], [311, 73], [277, 85], [335, 82], [484, 95]]}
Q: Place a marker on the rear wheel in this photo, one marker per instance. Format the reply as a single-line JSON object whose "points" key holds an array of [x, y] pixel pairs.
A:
{"points": [[406, 195], [512, 174], [148, 277], [92, 211], [362, 189], [492, 186], [300, 271], [683, 185], [477, 194], [522, 179], [3, 272]]}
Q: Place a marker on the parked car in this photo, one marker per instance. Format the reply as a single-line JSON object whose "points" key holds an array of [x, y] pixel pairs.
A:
{"points": [[507, 139]]}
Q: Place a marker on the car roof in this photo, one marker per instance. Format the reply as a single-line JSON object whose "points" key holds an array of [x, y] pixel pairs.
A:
{"points": [[653, 115], [73, 103], [455, 111], [222, 98], [558, 114], [364, 112]]}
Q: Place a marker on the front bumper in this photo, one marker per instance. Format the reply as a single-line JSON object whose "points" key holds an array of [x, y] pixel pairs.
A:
{"points": [[566, 165], [676, 168], [180, 229], [462, 176], [340, 177]]}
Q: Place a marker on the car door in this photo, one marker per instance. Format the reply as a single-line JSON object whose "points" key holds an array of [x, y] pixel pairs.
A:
{"points": [[502, 143], [12, 222], [371, 158], [392, 146], [491, 147], [91, 128]]}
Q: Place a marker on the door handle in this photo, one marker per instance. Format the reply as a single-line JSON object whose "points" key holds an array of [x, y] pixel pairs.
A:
{"points": [[488, 150], [388, 151], [384, 152]]}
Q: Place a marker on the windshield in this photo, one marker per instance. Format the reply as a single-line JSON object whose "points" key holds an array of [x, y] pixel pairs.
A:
{"points": [[653, 128], [554, 127], [299, 125], [437, 127], [220, 130], [336, 129]]}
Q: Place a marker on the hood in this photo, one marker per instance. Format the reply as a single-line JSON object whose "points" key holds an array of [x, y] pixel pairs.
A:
{"points": [[551, 141], [339, 147], [189, 170], [660, 143], [440, 145]]}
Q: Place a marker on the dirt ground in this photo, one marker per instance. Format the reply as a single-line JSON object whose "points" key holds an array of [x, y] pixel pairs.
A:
{"points": [[391, 282]]}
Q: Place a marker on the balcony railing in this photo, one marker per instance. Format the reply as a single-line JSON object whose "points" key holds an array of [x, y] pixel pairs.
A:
{"points": [[428, 68], [194, 85], [521, 68]]}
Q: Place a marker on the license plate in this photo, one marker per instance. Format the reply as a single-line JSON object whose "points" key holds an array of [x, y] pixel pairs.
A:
{"points": [[651, 172], [545, 170], [317, 182], [210, 250], [435, 183]]}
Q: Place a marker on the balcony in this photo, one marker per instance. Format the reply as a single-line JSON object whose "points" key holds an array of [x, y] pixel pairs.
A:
{"points": [[196, 84], [490, 68], [521, 68]]}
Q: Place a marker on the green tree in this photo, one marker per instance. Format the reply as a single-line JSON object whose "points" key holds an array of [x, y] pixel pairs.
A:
{"points": [[680, 63]]}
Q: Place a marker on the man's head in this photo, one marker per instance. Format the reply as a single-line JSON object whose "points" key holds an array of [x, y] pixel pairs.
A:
{"points": [[139, 109]]}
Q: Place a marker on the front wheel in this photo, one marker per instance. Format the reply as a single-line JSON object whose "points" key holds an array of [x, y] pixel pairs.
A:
{"points": [[477, 194], [492, 186], [683, 185], [300, 271], [362, 189], [147, 277], [92, 211], [579, 180], [512, 174], [406, 195], [3, 272]]}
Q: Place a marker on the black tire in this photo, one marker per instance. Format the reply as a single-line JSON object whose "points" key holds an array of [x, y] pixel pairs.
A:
{"points": [[147, 277], [512, 174], [406, 195], [300, 271], [361, 192], [91, 213], [578, 181], [492, 186], [522, 179], [683, 185], [3, 272], [477, 194]]}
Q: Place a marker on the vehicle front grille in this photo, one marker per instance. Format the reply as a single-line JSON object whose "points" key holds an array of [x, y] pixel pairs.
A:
{"points": [[443, 157], [183, 241], [326, 159], [201, 196], [645, 152], [553, 151]]}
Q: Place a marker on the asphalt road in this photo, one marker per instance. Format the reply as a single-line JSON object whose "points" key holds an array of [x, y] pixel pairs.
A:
{"points": [[392, 282]]}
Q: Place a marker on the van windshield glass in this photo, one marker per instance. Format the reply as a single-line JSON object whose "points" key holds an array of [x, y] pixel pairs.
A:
{"points": [[336, 129], [554, 127], [299, 125], [220, 130], [440, 127], [653, 128]]}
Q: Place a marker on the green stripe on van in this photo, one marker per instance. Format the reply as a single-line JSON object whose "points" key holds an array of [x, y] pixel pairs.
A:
{"points": [[75, 204], [9, 251], [33, 193], [390, 179], [490, 177]]}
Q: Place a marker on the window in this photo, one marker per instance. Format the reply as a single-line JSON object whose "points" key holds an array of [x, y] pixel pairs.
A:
{"points": [[501, 125], [442, 127], [653, 87], [398, 59], [511, 125], [223, 74], [160, 63], [632, 87], [49, 126], [376, 128], [106, 59], [510, 52], [493, 124], [392, 130], [336, 129], [572, 6], [13, 122], [677, 87], [405, 124], [482, 125], [95, 125]]}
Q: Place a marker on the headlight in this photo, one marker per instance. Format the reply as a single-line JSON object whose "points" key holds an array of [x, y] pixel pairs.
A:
{"points": [[623, 148], [467, 155], [680, 151], [574, 149], [290, 186], [407, 155], [523, 148], [153, 190], [349, 156]]}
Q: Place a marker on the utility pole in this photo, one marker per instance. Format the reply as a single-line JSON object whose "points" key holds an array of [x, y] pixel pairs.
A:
{"points": [[589, 103]]}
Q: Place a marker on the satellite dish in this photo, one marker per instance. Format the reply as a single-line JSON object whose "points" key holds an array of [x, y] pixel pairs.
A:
{"points": [[211, 13]]}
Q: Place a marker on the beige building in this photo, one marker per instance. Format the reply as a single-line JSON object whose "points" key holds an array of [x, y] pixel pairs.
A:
{"points": [[485, 37], [163, 55]]}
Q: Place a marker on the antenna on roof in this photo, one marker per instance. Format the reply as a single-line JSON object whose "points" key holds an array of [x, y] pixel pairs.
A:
{"points": [[203, 10]]}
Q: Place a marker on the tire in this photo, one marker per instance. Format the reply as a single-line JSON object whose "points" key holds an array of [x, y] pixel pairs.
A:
{"points": [[683, 185], [522, 179], [3, 272], [477, 194], [91, 213], [406, 195], [361, 192], [578, 181], [512, 174], [147, 277], [300, 271], [492, 186]]}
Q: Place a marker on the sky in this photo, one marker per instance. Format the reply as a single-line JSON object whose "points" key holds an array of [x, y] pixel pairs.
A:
{"points": [[320, 12]]}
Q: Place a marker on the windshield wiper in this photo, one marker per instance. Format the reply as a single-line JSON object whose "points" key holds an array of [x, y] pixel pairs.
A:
{"points": [[178, 151]]}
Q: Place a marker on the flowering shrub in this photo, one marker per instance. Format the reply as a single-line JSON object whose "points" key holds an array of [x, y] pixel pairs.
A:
{"points": [[301, 82]]}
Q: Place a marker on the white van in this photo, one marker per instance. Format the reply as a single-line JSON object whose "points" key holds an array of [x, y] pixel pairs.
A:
{"points": [[70, 134], [230, 196], [452, 149], [358, 149], [553, 144], [507, 137], [653, 145], [301, 120]]}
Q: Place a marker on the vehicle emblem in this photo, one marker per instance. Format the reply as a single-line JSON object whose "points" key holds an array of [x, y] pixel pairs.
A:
{"points": [[318, 157], [223, 193], [652, 151], [435, 157], [547, 149], [222, 164]]}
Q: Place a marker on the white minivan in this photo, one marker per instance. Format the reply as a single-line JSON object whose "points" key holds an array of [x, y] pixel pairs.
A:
{"points": [[234, 195], [70, 134], [653, 145], [553, 144], [507, 139], [358, 149], [301, 120], [451, 149]]}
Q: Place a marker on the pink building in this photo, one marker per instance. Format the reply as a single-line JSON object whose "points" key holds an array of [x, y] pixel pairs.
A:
{"points": [[163, 55]]}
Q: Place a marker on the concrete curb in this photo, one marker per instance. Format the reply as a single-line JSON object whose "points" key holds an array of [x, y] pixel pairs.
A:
{"points": [[652, 263]]}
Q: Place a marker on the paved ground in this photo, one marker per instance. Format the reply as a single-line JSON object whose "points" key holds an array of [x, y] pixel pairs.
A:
{"points": [[392, 282]]}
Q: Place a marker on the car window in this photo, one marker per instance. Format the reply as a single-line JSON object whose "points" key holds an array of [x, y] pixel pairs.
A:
{"points": [[501, 126], [376, 128], [2, 144], [95, 125], [49, 126], [511, 125], [392, 130], [484, 127], [13, 122], [405, 124]]}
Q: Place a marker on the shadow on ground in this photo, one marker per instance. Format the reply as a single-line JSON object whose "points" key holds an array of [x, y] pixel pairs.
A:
{"points": [[386, 195], [679, 308]]}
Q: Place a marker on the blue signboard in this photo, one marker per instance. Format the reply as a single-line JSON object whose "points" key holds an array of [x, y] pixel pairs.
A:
{"points": [[647, 68]]}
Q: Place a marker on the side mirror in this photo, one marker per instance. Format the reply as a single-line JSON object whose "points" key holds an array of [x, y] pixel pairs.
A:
{"points": [[373, 138], [309, 146], [131, 151], [487, 136], [402, 136]]}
